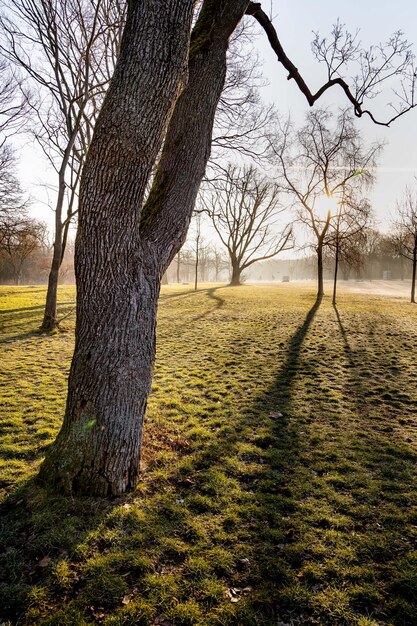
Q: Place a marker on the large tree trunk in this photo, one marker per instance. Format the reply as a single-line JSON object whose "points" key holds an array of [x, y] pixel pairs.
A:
{"points": [[118, 277], [236, 274], [167, 212], [118, 265]]}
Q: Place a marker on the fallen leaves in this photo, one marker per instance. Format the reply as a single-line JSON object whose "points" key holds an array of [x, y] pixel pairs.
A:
{"points": [[237, 593]]}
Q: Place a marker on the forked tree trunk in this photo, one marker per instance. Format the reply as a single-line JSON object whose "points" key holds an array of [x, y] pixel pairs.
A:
{"points": [[121, 254], [118, 278]]}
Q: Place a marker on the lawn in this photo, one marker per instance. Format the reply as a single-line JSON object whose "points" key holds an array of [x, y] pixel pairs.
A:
{"points": [[279, 474]]}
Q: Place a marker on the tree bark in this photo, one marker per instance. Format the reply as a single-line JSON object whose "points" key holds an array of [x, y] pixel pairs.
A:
{"points": [[118, 274], [167, 212], [121, 252]]}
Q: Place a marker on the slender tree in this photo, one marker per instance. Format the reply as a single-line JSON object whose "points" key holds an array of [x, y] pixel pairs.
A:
{"points": [[405, 236], [67, 50], [348, 231], [197, 246], [124, 245], [323, 167]]}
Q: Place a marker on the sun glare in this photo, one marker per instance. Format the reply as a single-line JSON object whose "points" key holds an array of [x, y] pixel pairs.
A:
{"points": [[325, 205]]}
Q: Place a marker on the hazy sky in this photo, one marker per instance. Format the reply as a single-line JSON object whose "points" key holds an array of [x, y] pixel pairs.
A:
{"points": [[295, 22]]}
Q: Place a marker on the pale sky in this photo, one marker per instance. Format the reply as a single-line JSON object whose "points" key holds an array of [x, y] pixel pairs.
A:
{"points": [[295, 22]]}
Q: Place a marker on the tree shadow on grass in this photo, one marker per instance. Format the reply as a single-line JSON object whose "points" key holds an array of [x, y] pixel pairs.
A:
{"points": [[381, 472], [249, 507], [219, 303], [225, 501], [15, 319]]}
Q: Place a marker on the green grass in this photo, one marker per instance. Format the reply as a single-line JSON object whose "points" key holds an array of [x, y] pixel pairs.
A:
{"points": [[308, 517]]}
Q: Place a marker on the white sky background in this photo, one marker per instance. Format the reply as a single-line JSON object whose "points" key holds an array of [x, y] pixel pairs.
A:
{"points": [[295, 22]]}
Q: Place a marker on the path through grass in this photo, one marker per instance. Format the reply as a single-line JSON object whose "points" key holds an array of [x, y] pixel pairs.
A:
{"points": [[279, 472]]}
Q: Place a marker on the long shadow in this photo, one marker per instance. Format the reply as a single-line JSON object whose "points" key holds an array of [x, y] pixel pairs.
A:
{"points": [[217, 299], [245, 525], [54, 527], [257, 531], [188, 293], [287, 374], [23, 309], [386, 462], [20, 337], [16, 321]]}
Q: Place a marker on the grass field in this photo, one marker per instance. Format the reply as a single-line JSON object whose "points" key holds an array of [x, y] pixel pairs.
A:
{"points": [[279, 482]]}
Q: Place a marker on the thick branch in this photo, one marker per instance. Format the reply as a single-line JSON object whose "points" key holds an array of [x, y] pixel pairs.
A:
{"points": [[261, 17]]}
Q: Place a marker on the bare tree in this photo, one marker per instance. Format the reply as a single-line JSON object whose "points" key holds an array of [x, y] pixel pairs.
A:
{"points": [[220, 263], [343, 55], [405, 236], [243, 207], [197, 251], [325, 167], [349, 226], [67, 49], [13, 206], [201, 250], [14, 102], [123, 244], [19, 238], [242, 119], [14, 107]]}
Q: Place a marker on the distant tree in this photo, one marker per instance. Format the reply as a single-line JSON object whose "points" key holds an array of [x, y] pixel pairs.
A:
{"points": [[220, 263], [243, 207], [200, 249], [67, 50], [352, 256], [13, 206], [19, 238], [324, 167], [348, 231], [405, 235], [14, 107], [178, 267]]}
